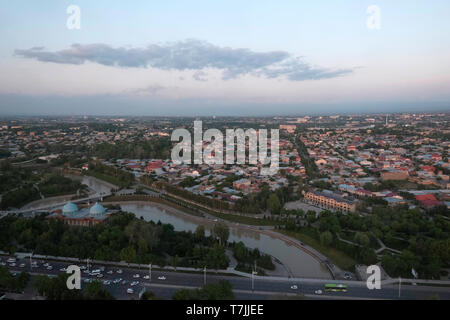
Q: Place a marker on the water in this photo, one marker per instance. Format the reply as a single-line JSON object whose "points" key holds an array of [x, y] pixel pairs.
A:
{"points": [[297, 261]]}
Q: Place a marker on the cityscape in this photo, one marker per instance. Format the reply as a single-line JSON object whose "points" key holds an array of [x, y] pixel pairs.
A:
{"points": [[193, 151]]}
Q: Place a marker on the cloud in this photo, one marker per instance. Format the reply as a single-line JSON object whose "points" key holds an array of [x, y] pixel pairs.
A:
{"points": [[189, 55]]}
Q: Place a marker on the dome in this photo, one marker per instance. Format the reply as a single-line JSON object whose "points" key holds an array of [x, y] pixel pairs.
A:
{"points": [[97, 209], [70, 208]]}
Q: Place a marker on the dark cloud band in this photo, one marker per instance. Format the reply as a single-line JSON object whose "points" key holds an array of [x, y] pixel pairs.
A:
{"points": [[189, 55]]}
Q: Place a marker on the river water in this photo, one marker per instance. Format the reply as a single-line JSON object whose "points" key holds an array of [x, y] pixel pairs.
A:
{"points": [[297, 261]]}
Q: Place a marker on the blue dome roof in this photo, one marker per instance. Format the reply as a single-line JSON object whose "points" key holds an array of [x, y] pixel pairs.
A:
{"points": [[70, 208], [97, 209]]}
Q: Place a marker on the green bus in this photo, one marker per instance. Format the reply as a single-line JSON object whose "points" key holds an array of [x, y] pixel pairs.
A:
{"points": [[332, 287]]}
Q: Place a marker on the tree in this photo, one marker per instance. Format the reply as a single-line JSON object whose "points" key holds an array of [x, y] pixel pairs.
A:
{"points": [[199, 232], [326, 238], [362, 239], [222, 232], [273, 204], [128, 254], [95, 291]]}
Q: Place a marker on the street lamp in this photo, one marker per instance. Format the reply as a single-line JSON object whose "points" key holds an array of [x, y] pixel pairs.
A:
{"points": [[31, 264], [150, 271], [204, 275]]}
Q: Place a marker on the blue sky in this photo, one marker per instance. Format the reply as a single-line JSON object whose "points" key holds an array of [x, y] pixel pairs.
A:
{"points": [[243, 56]]}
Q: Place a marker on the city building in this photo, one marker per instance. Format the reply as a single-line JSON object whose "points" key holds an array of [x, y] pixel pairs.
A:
{"points": [[85, 217], [330, 200]]}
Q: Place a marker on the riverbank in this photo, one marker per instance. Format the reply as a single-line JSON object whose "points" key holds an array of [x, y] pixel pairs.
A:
{"points": [[280, 246]]}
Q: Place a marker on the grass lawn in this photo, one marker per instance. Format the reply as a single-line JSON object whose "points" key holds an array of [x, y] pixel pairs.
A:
{"points": [[339, 258]]}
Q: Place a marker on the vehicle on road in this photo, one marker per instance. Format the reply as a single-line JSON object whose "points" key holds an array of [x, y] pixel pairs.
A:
{"points": [[46, 264], [2, 264], [147, 277], [22, 265], [332, 287], [11, 260], [119, 271], [110, 272], [83, 268], [99, 275], [107, 282], [124, 282], [130, 291], [318, 292], [49, 268], [162, 278], [12, 264], [134, 283], [294, 287], [117, 281], [63, 269], [136, 276]]}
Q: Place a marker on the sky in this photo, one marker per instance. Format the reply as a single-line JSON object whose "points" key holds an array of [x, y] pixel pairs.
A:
{"points": [[223, 57]]}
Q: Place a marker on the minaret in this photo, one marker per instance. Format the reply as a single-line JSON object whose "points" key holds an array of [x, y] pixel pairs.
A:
{"points": [[387, 119]]}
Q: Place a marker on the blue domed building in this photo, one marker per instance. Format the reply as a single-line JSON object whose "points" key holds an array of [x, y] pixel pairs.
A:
{"points": [[84, 217]]}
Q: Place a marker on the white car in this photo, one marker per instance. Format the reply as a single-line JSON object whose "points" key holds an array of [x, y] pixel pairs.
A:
{"points": [[63, 269], [22, 265], [106, 282], [130, 291], [162, 278], [12, 264], [46, 264], [119, 271], [82, 268], [117, 281], [110, 272], [99, 275], [134, 283], [136, 276], [2, 264], [294, 287], [49, 268], [318, 292], [146, 277]]}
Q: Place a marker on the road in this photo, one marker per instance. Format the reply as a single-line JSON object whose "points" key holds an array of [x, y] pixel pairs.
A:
{"points": [[263, 289]]}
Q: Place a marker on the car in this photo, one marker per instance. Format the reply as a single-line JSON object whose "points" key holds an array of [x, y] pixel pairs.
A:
{"points": [[63, 269], [49, 268], [22, 265], [86, 271], [136, 276], [87, 280], [294, 287], [318, 292], [83, 268], [124, 282], [162, 278], [110, 272], [302, 243], [134, 283], [147, 277], [12, 264], [119, 271], [2, 264], [107, 282], [102, 269], [46, 264], [99, 275], [130, 291], [117, 281], [11, 260]]}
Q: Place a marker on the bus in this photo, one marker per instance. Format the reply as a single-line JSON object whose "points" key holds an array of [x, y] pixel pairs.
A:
{"points": [[332, 287]]}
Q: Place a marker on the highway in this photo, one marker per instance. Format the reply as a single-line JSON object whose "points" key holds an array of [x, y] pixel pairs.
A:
{"points": [[263, 288]]}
